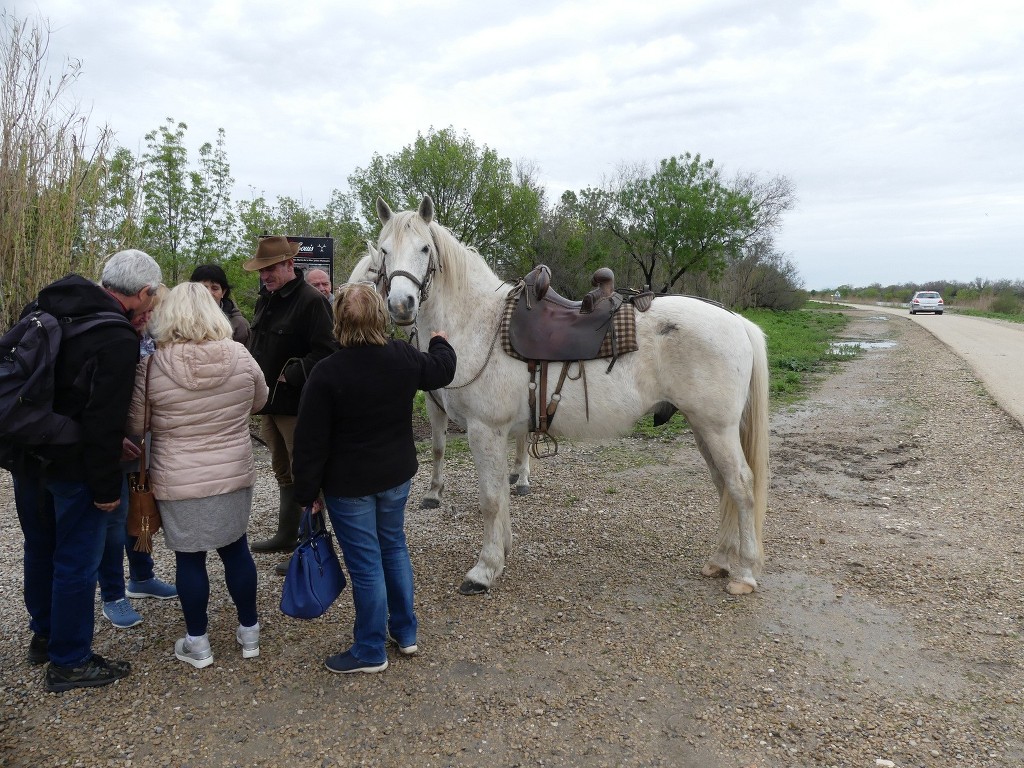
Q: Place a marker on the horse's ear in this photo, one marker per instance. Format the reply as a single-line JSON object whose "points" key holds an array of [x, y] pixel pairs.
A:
{"points": [[370, 249], [426, 210], [383, 211]]}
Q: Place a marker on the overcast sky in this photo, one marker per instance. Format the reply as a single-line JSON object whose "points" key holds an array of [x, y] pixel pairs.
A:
{"points": [[900, 123]]}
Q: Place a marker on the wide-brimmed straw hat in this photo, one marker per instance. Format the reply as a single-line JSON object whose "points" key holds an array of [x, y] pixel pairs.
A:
{"points": [[270, 251]]}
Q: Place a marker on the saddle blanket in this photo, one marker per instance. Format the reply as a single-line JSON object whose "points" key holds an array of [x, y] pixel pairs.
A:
{"points": [[623, 323]]}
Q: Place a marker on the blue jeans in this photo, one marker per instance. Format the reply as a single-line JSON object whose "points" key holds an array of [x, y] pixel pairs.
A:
{"points": [[193, 585], [118, 543], [64, 535], [371, 532]]}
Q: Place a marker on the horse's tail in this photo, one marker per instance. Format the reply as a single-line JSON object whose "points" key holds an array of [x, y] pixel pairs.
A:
{"points": [[754, 431]]}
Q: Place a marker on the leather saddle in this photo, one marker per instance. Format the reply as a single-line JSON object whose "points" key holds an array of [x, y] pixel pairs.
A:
{"points": [[547, 326]]}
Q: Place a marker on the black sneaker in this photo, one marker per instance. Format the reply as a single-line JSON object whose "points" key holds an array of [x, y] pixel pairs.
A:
{"points": [[37, 653], [96, 671]]}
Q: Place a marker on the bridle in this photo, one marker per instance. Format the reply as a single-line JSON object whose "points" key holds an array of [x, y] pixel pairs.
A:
{"points": [[422, 284]]}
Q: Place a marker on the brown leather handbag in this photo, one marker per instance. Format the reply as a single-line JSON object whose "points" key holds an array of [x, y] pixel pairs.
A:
{"points": [[143, 514]]}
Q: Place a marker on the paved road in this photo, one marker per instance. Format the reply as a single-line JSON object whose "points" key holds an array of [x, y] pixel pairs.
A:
{"points": [[993, 348]]}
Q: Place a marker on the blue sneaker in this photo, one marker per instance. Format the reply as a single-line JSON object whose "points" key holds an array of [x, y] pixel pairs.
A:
{"points": [[161, 590], [121, 614], [343, 663]]}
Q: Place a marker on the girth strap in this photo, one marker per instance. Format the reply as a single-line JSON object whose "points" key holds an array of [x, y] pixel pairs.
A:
{"points": [[542, 410]]}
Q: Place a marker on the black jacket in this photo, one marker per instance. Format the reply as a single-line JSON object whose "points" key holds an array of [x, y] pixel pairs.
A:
{"points": [[93, 382], [239, 325], [354, 434], [291, 331]]}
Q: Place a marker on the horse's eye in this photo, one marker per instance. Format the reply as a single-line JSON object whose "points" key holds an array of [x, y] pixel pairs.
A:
{"points": [[383, 251], [426, 249]]}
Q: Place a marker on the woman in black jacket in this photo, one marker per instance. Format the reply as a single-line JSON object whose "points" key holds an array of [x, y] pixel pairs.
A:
{"points": [[354, 441]]}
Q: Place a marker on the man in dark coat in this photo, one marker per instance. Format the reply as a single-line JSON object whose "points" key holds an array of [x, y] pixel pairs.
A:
{"points": [[64, 493], [291, 331]]}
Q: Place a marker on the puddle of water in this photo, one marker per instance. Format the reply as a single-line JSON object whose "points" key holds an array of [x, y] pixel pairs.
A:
{"points": [[839, 347]]}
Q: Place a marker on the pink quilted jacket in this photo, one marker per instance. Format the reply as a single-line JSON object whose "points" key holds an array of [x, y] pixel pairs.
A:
{"points": [[201, 396]]}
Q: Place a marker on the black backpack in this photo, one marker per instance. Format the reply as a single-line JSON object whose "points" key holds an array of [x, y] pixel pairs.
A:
{"points": [[28, 359]]}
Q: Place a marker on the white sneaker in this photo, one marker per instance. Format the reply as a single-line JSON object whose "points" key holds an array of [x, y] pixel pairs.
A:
{"points": [[405, 650], [196, 651], [249, 639]]}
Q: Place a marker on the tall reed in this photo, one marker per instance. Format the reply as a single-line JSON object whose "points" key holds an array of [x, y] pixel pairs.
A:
{"points": [[50, 173]]}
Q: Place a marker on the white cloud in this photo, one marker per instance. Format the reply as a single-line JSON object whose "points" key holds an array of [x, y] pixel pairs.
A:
{"points": [[899, 121]]}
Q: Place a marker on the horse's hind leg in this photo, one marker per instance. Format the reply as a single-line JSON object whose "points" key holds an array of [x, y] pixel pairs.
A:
{"points": [[438, 441], [490, 455], [716, 566], [739, 550], [519, 477]]}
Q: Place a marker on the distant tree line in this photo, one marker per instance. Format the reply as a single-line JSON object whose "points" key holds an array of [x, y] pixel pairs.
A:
{"points": [[680, 227], [1005, 297]]}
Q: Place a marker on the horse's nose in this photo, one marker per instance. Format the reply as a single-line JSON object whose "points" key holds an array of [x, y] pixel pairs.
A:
{"points": [[402, 309]]}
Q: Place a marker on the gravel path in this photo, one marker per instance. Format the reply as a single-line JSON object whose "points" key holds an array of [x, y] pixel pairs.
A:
{"points": [[887, 629]]}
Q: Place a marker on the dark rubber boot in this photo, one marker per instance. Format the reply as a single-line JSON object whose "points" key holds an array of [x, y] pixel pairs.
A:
{"points": [[288, 517]]}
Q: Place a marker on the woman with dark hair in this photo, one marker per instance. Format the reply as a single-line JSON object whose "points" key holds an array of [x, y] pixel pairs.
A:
{"points": [[216, 281]]}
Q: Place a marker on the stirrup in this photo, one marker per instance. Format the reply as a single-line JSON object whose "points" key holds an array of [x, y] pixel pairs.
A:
{"points": [[542, 445]]}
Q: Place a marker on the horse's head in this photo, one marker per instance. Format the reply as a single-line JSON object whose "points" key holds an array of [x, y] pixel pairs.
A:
{"points": [[408, 258]]}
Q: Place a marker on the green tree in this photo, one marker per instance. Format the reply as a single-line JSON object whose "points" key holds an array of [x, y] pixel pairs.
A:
{"points": [[187, 213], [482, 198], [115, 222], [210, 193], [682, 218], [574, 240]]}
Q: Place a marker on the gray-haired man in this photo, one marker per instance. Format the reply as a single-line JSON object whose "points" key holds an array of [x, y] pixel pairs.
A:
{"points": [[64, 492]]}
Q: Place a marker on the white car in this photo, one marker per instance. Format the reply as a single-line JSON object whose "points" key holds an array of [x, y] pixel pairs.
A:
{"points": [[926, 301]]}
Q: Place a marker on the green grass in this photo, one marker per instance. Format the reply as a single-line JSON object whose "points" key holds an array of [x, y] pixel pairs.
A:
{"points": [[798, 347], [670, 429], [1015, 318]]}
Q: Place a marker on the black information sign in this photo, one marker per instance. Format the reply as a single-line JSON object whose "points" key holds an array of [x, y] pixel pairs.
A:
{"points": [[315, 253]]}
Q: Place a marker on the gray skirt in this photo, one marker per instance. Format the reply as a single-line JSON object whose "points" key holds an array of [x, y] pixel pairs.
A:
{"points": [[199, 525]]}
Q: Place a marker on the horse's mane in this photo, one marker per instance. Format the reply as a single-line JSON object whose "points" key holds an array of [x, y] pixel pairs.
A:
{"points": [[455, 261]]}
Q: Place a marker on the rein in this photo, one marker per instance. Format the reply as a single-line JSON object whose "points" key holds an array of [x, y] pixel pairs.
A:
{"points": [[490, 351]]}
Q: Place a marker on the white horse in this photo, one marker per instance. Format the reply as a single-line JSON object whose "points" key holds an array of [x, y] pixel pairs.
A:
{"points": [[706, 361], [519, 477]]}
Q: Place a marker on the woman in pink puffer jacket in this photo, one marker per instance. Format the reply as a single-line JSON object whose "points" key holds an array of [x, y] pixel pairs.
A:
{"points": [[202, 389]]}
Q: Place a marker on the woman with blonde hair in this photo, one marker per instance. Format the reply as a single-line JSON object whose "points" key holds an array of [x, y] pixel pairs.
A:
{"points": [[354, 440], [202, 388]]}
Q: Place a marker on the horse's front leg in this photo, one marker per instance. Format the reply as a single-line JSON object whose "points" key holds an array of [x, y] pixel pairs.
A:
{"points": [[438, 442], [520, 474], [490, 455]]}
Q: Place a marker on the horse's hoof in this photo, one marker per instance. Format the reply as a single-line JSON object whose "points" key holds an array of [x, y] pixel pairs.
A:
{"points": [[714, 571], [522, 490], [512, 477], [739, 588], [470, 587], [430, 504]]}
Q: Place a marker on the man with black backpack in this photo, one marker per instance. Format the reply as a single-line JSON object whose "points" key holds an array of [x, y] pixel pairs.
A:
{"points": [[67, 480]]}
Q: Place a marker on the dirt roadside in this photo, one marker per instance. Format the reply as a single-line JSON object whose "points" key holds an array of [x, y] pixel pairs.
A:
{"points": [[888, 626], [993, 349]]}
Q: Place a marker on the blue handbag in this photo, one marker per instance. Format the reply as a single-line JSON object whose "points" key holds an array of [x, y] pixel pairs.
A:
{"points": [[314, 578]]}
